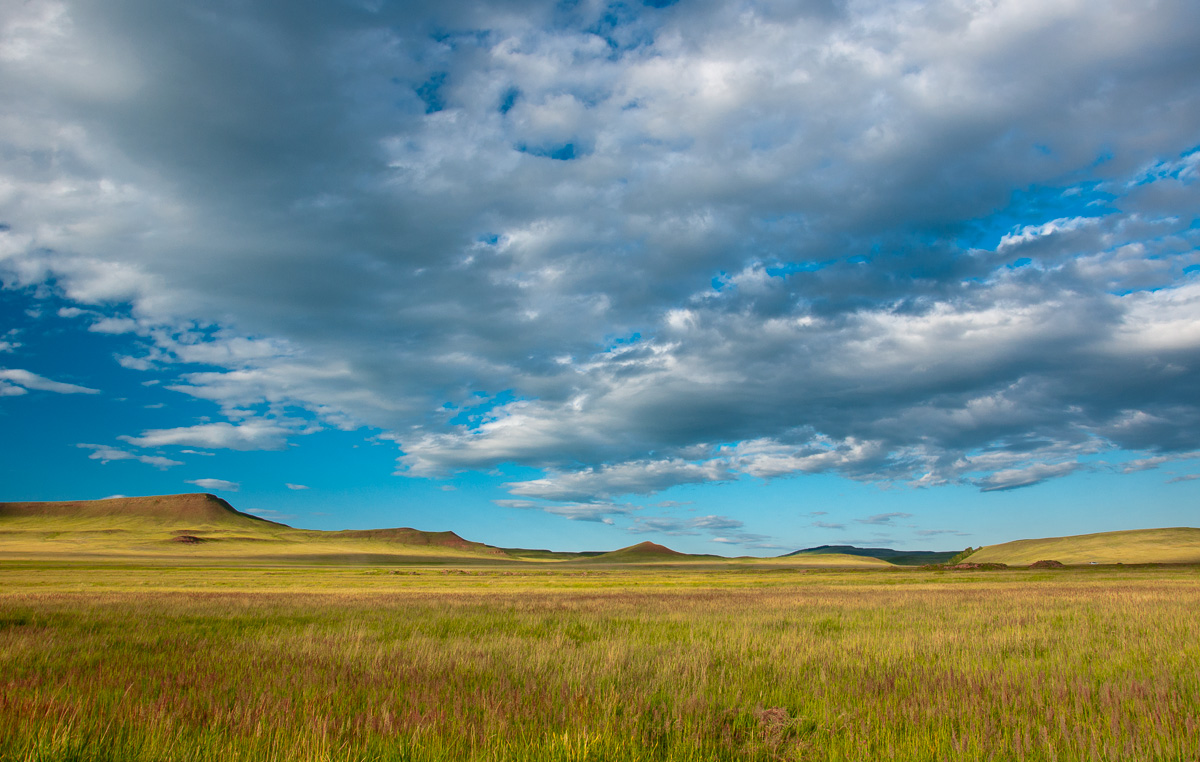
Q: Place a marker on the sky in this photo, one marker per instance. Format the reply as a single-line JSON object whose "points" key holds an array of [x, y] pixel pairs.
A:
{"points": [[737, 277]]}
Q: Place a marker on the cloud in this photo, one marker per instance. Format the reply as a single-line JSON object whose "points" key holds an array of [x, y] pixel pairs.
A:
{"points": [[105, 454], [884, 518], [1013, 478], [1146, 464], [602, 513], [291, 486], [248, 435], [722, 529], [875, 240], [939, 532], [643, 477], [1030, 233], [686, 526], [23, 380], [113, 325], [215, 484]]}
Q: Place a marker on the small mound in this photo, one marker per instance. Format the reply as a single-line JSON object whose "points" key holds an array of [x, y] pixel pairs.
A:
{"points": [[188, 539], [1048, 564], [976, 567]]}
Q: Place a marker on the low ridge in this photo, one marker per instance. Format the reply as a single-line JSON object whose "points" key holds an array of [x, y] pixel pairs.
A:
{"points": [[407, 536], [898, 557]]}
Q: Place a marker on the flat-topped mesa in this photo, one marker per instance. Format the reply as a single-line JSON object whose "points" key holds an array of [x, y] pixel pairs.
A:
{"points": [[197, 508]]}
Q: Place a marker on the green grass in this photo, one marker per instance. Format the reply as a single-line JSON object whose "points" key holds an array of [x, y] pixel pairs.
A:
{"points": [[1180, 545], [133, 662]]}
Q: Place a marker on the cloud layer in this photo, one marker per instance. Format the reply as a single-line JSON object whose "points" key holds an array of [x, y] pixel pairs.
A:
{"points": [[924, 243]]}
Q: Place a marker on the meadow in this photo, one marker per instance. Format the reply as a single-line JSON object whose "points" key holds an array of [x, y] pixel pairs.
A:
{"points": [[144, 662]]}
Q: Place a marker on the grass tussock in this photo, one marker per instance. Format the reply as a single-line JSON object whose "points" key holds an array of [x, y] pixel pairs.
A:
{"points": [[320, 665]]}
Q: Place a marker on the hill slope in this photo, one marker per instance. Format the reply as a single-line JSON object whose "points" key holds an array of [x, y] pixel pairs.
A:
{"points": [[1179, 545]]}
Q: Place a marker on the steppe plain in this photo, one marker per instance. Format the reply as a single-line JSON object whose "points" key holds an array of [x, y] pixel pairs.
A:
{"points": [[255, 641]]}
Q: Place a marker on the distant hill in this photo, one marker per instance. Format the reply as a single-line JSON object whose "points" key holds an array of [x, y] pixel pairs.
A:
{"points": [[897, 557], [540, 554], [197, 526], [828, 559], [1178, 545], [643, 553]]}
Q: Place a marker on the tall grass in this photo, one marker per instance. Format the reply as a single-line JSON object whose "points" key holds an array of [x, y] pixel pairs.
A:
{"points": [[834, 666]]}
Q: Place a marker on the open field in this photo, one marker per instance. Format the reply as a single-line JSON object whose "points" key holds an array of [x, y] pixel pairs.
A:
{"points": [[666, 662]]}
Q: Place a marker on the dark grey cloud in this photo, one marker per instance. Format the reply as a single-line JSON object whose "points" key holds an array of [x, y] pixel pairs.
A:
{"points": [[923, 244]]}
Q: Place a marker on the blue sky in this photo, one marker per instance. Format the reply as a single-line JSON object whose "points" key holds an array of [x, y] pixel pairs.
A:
{"points": [[734, 277]]}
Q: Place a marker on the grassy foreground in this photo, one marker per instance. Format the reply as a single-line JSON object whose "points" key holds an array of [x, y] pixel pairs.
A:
{"points": [[139, 663]]}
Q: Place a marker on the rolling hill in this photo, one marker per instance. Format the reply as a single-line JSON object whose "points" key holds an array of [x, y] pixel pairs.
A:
{"points": [[203, 528], [1178, 545]]}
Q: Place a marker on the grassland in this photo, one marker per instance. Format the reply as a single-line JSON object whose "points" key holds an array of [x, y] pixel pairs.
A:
{"points": [[1178, 545], [670, 662], [178, 629]]}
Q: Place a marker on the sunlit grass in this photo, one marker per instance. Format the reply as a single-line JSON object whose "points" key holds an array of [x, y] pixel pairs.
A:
{"points": [[108, 663]]}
